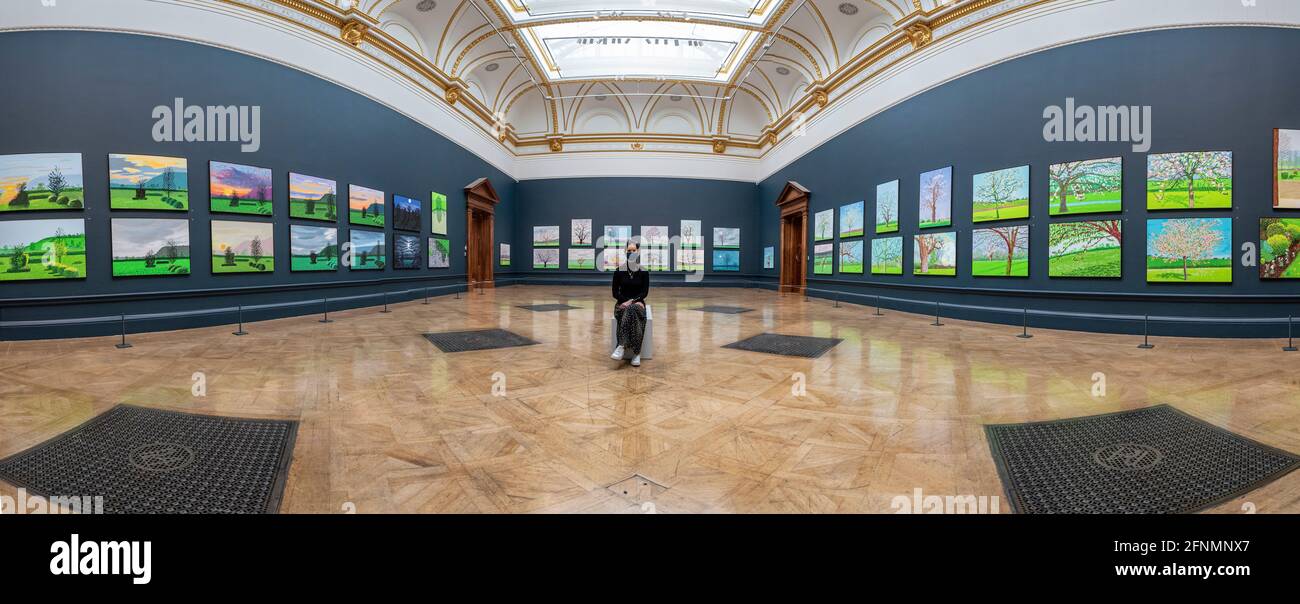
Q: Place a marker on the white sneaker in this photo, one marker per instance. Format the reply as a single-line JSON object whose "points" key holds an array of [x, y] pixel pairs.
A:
{"points": [[618, 354], [636, 361]]}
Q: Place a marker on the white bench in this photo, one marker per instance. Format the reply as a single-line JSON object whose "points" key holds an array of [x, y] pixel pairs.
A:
{"points": [[647, 341]]}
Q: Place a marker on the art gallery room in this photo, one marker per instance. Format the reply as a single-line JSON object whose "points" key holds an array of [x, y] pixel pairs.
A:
{"points": [[580, 257]]}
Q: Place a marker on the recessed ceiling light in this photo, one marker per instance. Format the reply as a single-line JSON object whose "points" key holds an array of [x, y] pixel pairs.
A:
{"points": [[848, 9], [783, 70], [491, 67], [426, 5]]}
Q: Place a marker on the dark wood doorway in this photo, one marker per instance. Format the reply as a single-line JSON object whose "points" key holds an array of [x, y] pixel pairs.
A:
{"points": [[480, 209], [793, 203]]}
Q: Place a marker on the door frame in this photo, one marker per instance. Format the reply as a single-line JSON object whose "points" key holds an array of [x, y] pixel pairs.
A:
{"points": [[481, 198], [793, 200]]}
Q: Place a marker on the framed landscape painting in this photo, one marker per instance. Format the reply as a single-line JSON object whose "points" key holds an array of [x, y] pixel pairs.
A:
{"points": [[935, 254], [690, 260], [1189, 250], [1092, 186], [1000, 252], [612, 258], [851, 219], [654, 236], [365, 206], [726, 238], [313, 198], [407, 214], [242, 247], [936, 198], [239, 189], [887, 207], [769, 257], [369, 250], [41, 182], [1085, 249], [36, 250], [726, 260], [1286, 169], [656, 259], [692, 234], [438, 212], [505, 254], [148, 182], [823, 225], [582, 259], [617, 235], [1000, 195], [440, 253], [580, 234], [546, 258], [1190, 181], [546, 236], [313, 248], [406, 251], [887, 256], [1279, 245], [824, 259], [851, 257], [150, 247]]}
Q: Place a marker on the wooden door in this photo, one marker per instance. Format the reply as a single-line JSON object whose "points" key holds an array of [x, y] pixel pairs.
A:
{"points": [[480, 234], [793, 203]]}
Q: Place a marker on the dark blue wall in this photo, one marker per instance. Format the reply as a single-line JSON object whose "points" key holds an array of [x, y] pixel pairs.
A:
{"points": [[1209, 89], [93, 93], [635, 202]]}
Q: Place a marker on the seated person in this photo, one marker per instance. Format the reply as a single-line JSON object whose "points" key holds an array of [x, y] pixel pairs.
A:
{"points": [[631, 285]]}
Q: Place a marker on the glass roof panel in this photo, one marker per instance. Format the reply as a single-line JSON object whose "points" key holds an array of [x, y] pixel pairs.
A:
{"points": [[751, 11], [612, 49]]}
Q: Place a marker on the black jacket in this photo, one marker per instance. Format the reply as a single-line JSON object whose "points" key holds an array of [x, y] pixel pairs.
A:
{"points": [[633, 286]]}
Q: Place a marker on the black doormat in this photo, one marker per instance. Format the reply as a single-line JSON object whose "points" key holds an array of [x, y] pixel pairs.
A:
{"points": [[1157, 460], [724, 310], [151, 461], [548, 307], [791, 346], [482, 339]]}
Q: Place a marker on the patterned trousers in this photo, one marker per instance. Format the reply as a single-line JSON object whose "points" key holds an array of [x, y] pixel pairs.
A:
{"points": [[631, 327]]}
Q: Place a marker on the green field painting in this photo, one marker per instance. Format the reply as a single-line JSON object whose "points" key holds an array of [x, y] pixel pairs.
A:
{"points": [[35, 250], [151, 247], [1189, 181], [239, 189], [1189, 250], [1092, 186], [1085, 249], [1000, 252], [1000, 195], [148, 182], [41, 182], [313, 198]]}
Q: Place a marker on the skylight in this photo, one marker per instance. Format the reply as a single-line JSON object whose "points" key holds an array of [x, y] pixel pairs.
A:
{"points": [[751, 11]]}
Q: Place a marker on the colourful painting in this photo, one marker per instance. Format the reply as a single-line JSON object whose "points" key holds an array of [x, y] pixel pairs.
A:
{"points": [[438, 212], [936, 198], [1189, 250], [617, 236], [242, 247], [654, 236], [690, 260], [887, 256], [583, 259], [851, 219], [546, 258], [655, 258], [407, 215], [406, 250], [824, 225], [1000, 252], [1092, 186], [612, 258], [150, 247], [1279, 245], [35, 250], [824, 259], [440, 253], [581, 233], [1286, 169], [369, 250], [365, 206], [692, 235], [1190, 181], [239, 189], [313, 248], [505, 254], [1000, 195], [726, 238], [935, 254], [769, 257], [41, 182], [546, 236], [887, 207], [851, 257], [1085, 249], [148, 182], [313, 198], [726, 260]]}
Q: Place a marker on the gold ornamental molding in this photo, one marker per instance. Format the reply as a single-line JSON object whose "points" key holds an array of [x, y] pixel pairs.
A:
{"points": [[556, 143], [354, 32], [453, 94], [919, 34]]}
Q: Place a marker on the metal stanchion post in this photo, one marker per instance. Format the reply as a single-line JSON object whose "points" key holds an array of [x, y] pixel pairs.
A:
{"points": [[1290, 343], [326, 318], [936, 316], [385, 310], [1146, 334], [878, 313], [836, 299], [241, 331], [124, 343], [426, 295], [1024, 334]]}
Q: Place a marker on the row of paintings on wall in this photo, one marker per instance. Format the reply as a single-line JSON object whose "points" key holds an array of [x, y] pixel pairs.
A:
{"points": [[1175, 181], [151, 247], [1178, 250], [581, 234], [652, 259], [53, 181]]}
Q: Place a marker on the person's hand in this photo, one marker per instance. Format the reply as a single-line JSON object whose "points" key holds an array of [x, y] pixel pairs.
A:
{"points": [[640, 303], [624, 304]]}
